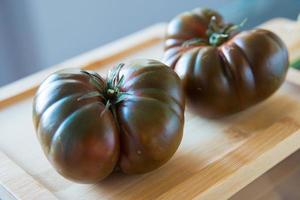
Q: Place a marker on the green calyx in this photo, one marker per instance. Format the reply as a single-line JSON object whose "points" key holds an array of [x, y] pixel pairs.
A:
{"points": [[114, 82], [217, 33], [109, 90]]}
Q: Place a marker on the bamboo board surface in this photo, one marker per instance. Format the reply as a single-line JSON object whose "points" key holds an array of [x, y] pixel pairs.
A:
{"points": [[281, 182], [216, 158]]}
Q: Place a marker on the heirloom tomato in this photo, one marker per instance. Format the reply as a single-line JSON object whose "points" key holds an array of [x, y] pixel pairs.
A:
{"points": [[89, 126], [223, 71]]}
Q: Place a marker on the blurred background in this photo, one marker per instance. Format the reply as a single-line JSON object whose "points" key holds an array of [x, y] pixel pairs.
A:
{"points": [[36, 34]]}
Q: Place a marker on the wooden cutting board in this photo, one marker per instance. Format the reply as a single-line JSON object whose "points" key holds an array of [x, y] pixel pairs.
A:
{"points": [[216, 158]]}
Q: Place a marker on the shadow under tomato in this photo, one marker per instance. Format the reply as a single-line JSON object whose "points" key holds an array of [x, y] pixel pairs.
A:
{"points": [[152, 184]]}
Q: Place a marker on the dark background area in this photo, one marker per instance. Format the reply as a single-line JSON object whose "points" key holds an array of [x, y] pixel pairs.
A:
{"points": [[36, 34]]}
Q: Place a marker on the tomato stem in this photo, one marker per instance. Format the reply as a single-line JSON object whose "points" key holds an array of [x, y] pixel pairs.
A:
{"points": [[219, 33], [108, 90], [113, 93], [113, 84]]}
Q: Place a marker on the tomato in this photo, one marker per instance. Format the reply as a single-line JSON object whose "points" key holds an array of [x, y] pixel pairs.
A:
{"points": [[89, 126], [223, 71]]}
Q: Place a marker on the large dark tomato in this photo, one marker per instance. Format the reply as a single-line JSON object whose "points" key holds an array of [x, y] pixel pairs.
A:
{"points": [[89, 126], [223, 71]]}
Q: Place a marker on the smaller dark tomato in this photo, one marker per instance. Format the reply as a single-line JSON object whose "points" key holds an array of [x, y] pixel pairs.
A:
{"points": [[223, 71]]}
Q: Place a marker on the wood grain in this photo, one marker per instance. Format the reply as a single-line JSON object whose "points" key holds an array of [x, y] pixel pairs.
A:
{"points": [[215, 159], [281, 181], [16, 184], [239, 167]]}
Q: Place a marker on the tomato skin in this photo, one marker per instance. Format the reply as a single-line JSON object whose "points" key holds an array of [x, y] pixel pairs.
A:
{"points": [[85, 142], [147, 142], [82, 146], [227, 78]]}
